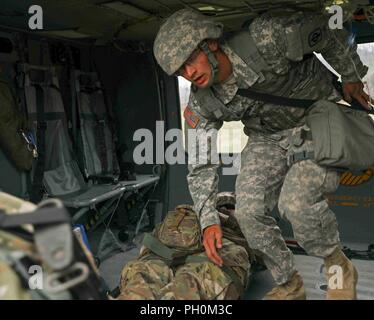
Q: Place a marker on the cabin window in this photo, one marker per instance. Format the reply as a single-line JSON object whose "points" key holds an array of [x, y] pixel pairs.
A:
{"points": [[366, 53]]}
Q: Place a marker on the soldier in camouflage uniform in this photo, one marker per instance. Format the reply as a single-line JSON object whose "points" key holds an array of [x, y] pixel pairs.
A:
{"points": [[274, 56], [152, 276]]}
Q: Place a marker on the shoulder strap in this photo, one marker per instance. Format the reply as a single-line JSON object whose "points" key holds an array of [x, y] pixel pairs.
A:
{"points": [[245, 47], [289, 102], [36, 192], [278, 100]]}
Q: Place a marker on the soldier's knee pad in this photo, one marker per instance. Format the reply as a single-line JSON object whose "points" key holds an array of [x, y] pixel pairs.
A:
{"points": [[253, 225], [291, 206]]}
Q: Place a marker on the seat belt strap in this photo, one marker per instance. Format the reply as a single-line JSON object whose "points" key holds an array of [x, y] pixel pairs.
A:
{"points": [[36, 192]]}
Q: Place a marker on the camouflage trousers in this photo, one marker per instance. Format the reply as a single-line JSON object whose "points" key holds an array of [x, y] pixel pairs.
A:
{"points": [[265, 179], [150, 278]]}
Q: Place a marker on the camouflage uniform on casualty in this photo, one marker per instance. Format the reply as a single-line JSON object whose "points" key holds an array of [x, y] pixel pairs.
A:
{"points": [[154, 277], [277, 59]]}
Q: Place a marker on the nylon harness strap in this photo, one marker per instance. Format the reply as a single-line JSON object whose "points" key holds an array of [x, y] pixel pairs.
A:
{"points": [[36, 192], [20, 99], [157, 247], [100, 122], [247, 50], [113, 127], [99, 133], [289, 102], [278, 100]]}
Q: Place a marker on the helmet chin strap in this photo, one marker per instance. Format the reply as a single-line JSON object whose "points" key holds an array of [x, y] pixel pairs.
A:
{"points": [[212, 61]]}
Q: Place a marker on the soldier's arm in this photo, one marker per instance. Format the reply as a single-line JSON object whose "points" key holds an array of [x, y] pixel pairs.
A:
{"points": [[283, 39], [202, 177], [340, 51]]}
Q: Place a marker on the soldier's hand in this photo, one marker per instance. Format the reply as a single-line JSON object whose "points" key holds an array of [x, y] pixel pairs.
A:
{"points": [[213, 240], [355, 90]]}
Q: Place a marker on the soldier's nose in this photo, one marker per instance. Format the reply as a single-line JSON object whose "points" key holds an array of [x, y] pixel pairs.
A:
{"points": [[189, 71]]}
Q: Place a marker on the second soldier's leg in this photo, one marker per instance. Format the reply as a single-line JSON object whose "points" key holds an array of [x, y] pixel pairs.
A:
{"points": [[303, 203]]}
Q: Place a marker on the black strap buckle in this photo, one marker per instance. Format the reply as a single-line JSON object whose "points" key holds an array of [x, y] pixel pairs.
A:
{"points": [[299, 156]]}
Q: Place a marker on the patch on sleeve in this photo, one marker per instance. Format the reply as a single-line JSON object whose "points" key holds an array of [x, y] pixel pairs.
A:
{"points": [[191, 118]]}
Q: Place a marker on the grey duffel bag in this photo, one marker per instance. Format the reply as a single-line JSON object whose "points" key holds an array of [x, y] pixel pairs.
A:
{"points": [[342, 137]]}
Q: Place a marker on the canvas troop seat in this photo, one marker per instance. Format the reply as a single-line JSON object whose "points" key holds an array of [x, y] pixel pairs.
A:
{"points": [[56, 172], [96, 135], [97, 154], [97, 140]]}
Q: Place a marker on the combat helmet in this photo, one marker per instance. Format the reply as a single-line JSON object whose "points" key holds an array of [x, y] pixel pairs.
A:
{"points": [[180, 35]]}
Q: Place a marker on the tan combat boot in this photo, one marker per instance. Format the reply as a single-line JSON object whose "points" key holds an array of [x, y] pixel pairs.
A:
{"points": [[349, 274], [291, 290]]}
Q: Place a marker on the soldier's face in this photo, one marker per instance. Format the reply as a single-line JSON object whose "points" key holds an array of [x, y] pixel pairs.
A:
{"points": [[197, 69]]}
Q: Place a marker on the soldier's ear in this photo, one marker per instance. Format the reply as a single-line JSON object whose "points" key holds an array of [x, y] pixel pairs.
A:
{"points": [[213, 44]]}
